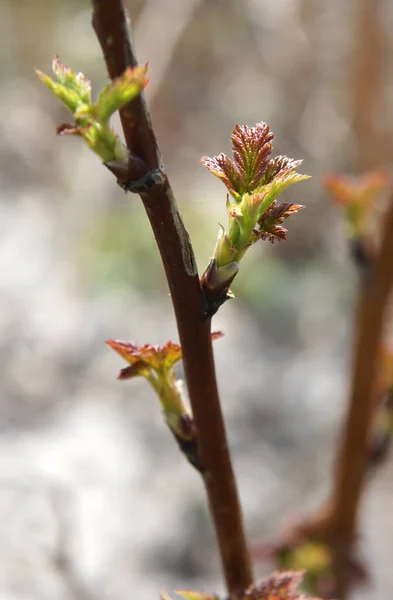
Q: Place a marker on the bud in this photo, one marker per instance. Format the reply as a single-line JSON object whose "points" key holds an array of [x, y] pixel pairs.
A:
{"points": [[92, 120]]}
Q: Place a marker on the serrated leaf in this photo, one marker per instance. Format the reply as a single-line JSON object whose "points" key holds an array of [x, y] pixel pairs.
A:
{"points": [[272, 190], [92, 120], [278, 586], [120, 92], [251, 150], [68, 97], [224, 168], [157, 358], [72, 89], [278, 166], [76, 82], [143, 359], [270, 223]]}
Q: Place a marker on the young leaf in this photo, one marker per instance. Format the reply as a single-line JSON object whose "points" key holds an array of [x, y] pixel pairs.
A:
{"points": [[158, 358], [357, 196], [279, 586], [279, 166], [143, 359], [92, 120], [270, 227], [251, 148], [270, 191], [254, 181], [225, 169], [120, 92]]}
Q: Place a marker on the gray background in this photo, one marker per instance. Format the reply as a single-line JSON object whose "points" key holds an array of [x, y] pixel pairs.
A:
{"points": [[95, 500]]}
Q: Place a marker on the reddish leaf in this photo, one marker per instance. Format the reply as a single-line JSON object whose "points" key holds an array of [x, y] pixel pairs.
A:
{"points": [[251, 148], [362, 190], [68, 129], [144, 358], [278, 586], [152, 357], [224, 168], [279, 166], [270, 223]]}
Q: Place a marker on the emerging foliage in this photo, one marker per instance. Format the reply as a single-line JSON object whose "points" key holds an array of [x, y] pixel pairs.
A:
{"points": [[357, 196], [92, 120], [146, 359], [156, 364], [278, 586], [254, 182], [270, 224]]}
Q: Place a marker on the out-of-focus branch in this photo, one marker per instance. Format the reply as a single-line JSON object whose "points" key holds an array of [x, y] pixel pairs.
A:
{"points": [[353, 456], [333, 529], [368, 62], [145, 176]]}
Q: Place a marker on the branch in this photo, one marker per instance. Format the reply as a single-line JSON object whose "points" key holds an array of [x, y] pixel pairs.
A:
{"points": [[109, 22], [354, 453], [370, 52], [334, 526]]}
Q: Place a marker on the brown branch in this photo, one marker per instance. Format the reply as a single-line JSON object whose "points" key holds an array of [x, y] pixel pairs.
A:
{"points": [[109, 22], [369, 61], [336, 522], [353, 456]]}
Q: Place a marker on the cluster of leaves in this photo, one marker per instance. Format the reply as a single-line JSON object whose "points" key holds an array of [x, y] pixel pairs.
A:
{"points": [[278, 586], [357, 196], [156, 364], [254, 181], [92, 120]]}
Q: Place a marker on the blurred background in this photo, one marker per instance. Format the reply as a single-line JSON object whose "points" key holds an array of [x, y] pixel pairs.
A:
{"points": [[95, 500]]}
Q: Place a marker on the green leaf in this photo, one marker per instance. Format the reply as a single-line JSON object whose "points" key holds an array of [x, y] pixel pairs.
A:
{"points": [[272, 190], [68, 97], [72, 81], [120, 92], [278, 166], [92, 120], [189, 595]]}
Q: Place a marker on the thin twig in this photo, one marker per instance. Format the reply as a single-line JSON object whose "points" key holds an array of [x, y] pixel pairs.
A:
{"points": [[110, 25]]}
